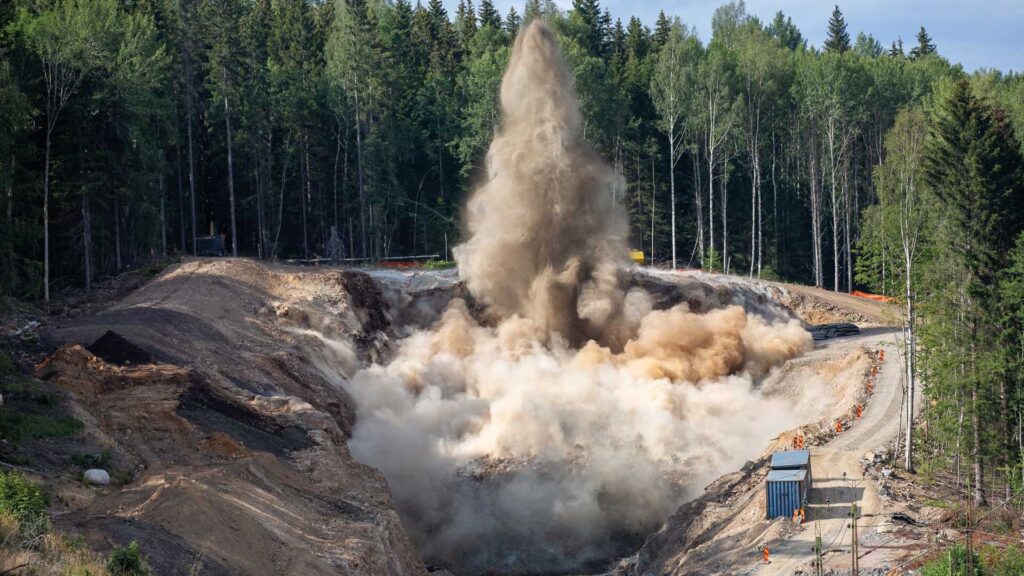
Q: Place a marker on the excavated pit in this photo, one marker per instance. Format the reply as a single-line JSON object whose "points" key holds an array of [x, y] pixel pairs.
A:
{"points": [[487, 544]]}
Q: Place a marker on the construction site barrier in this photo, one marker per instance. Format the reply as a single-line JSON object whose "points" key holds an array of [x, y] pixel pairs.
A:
{"points": [[875, 297]]}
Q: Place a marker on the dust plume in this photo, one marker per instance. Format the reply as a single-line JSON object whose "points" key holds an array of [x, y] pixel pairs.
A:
{"points": [[562, 427], [546, 237]]}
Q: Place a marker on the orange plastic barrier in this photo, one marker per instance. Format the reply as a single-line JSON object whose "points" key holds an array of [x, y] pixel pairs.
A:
{"points": [[875, 297], [400, 264], [765, 551]]}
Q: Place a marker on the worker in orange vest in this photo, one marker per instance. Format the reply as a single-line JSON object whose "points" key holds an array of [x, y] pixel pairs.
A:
{"points": [[881, 355]]}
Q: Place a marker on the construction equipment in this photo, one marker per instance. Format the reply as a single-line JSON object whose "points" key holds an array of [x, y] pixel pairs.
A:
{"points": [[637, 256], [212, 245]]}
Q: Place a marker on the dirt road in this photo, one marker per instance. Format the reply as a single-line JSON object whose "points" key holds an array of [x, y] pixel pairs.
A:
{"points": [[838, 478]]}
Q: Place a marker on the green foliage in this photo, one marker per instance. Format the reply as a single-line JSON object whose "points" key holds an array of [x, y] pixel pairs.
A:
{"points": [[101, 460], [838, 38], [438, 265], [127, 561], [21, 498], [15, 425], [952, 562]]}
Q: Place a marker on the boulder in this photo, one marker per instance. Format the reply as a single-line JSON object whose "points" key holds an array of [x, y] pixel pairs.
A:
{"points": [[97, 476]]}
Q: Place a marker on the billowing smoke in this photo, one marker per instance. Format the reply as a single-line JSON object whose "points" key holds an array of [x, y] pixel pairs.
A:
{"points": [[566, 423]]}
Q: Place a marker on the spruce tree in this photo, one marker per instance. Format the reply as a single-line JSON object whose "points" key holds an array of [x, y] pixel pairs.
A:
{"points": [[662, 29], [488, 15], [838, 37], [896, 50], [924, 45], [973, 165], [513, 21], [532, 10], [783, 29]]}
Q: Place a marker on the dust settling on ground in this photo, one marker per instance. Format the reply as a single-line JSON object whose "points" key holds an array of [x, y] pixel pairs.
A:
{"points": [[562, 425]]}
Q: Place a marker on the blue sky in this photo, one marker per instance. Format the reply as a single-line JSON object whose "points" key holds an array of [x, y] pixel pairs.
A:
{"points": [[975, 33]]}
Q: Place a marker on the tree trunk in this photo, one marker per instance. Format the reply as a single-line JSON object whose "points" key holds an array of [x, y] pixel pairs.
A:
{"points": [[711, 206], [46, 217], [181, 193], [9, 237], [303, 188], [698, 202], [654, 196], [280, 203], [117, 231], [87, 237], [815, 190], [163, 221], [334, 180], [979, 467], [191, 152], [672, 190], [911, 355], [231, 170], [362, 187], [724, 191]]}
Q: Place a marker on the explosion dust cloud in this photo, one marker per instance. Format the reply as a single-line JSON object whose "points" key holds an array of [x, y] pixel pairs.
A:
{"points": [[567, 423]]}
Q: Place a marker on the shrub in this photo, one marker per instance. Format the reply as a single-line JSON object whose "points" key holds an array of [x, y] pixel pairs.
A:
{"points": [[952, 561], [21, 498], [127, 561]]}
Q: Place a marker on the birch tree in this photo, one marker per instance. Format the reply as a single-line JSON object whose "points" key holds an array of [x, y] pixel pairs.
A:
{"points": [[906, 212], [672, 88], [67, 39]]}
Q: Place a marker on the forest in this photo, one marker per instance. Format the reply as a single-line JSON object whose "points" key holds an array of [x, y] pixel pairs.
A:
{"points": [[353, 130]]}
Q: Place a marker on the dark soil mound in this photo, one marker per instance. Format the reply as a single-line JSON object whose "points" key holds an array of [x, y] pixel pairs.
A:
{"points": [[115, 349]]}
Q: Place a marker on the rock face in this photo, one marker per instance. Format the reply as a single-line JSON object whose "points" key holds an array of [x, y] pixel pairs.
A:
{"points": [[234, 434]]}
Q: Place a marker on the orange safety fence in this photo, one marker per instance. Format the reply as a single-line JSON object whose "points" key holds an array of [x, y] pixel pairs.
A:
{"points": [[875, 297], [401, 264]]}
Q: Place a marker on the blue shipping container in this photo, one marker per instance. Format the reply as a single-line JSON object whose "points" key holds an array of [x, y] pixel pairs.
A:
{"points": [[793, 460], [786, 490]]}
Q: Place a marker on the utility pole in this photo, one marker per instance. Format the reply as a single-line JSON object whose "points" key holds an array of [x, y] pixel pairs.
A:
{"points": [[818, 564], [854, 563]]}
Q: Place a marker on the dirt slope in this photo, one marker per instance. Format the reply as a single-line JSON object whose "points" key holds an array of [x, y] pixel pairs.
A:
{"points": [[723, 531], [232, 448]]}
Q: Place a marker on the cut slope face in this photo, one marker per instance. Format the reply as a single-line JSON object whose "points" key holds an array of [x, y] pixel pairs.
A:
{"points": [[234, 443]]}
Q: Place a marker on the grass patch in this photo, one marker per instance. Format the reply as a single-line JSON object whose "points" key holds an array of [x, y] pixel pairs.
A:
{"points": [[86, 461], [438, 265], [31, 411], [16, 425]]}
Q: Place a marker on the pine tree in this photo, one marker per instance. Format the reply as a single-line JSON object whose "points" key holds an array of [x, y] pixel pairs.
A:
{"points": [[838, 38], [924, 45]]}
